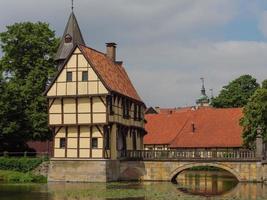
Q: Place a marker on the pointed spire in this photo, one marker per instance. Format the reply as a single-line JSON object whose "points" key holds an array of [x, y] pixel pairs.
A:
{"points": [[203, 90], [71, 37]]}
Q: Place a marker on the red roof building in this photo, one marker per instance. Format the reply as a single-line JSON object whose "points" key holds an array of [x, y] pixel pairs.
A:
{"points": [[202, 127]]}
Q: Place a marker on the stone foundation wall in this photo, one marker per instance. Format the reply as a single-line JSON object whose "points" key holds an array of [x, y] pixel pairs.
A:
{"points": [[42, 169], [83, 170], [264, 171], [112, 170]]}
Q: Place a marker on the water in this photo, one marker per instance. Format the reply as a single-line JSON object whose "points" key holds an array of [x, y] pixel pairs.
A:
{"points": [[192, 185], [206, 183]]}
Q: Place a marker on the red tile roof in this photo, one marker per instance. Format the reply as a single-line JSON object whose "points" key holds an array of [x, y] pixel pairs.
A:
{"points": [[173, 110], [113, 74], [213, 128]]}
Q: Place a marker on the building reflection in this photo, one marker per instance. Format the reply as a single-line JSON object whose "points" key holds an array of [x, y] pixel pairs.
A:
{"points": [[206, 183]]}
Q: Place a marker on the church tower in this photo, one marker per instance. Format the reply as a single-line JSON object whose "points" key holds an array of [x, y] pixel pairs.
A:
{"points": [[203, 100]]}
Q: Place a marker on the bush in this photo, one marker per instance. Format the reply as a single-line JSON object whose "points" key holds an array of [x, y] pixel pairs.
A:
{"points": [[22, 164], [19, 177]]}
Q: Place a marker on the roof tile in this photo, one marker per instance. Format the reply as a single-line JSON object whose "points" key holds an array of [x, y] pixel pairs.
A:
{"points": [[113, 74], [213, 128]]}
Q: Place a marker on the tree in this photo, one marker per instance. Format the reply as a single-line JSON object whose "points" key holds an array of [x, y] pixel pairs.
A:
{"points": [[28, 52], [264, 84], [255, 116], [236, 93]]}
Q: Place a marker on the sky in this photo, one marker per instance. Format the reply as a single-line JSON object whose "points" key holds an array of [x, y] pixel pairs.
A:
{"points": [[166, 45]]}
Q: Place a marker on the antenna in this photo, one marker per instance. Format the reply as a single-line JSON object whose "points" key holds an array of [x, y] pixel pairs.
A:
{"points": [[72, 5]]}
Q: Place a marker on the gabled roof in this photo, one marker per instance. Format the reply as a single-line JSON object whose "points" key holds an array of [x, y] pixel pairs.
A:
{"points": [[151, 110], [72, 29], [112, 74], [213, 128]]}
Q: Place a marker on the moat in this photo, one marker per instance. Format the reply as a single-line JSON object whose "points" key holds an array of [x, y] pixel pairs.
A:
{"points": [[191, 185]]}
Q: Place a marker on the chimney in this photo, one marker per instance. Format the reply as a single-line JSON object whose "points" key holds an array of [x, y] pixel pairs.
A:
{"points": [[193, 127], [111, 51]]}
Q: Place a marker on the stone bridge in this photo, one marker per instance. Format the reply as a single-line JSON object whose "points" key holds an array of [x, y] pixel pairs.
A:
{"points": [[163, 165], [251, 171], [166, 165]]}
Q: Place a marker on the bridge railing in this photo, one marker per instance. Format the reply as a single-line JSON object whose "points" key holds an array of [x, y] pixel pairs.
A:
{"points": [[188, 155]]}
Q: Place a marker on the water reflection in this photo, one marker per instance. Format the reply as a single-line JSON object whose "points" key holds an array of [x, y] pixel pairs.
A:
{"points": [[206, 183], [129, 191]]}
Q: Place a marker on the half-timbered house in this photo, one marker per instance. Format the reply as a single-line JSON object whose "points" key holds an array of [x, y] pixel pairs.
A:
{"points": [[94, 110]]}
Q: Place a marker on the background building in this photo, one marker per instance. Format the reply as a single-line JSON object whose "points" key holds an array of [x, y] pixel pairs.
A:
{"points": [[194, 128]]}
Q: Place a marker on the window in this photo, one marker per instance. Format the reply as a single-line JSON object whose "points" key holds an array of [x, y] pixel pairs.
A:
{"points": [[126, 108], [134, 141], [107, 139], [85, 76], [62, 143], [68, 38], [110, 105], [135, 112], [69, 76], [94, 143], [139, 113]]}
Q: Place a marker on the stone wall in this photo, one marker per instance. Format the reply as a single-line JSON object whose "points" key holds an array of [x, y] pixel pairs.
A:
{"points": [[112, 170], [83, 170], [264, 164], [42, 169]]}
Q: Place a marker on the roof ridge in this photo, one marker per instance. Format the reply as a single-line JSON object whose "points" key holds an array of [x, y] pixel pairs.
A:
{"points": [[93, 49]]}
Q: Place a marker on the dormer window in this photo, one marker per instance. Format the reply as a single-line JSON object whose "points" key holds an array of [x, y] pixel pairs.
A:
{"points": [[68, 38]]}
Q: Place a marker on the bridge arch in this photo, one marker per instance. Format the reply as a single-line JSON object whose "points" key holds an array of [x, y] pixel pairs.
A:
{"points": [[181, 168]]}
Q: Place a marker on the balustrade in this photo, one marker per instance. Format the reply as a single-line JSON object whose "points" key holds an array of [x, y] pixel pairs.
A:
{"points": [[186, 154]]}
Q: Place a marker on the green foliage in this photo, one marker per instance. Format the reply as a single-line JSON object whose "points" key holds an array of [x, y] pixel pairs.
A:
{"points": [[22, 164], [264, 84], [19, 177], [255, 115], [236, 93], [27, 62]]}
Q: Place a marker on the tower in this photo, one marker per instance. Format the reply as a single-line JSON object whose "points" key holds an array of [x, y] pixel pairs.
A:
{"points": [[71, 37], [203, 100]]}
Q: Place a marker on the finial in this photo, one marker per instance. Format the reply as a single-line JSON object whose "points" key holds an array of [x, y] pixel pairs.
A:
{"points": [[72, 5], [203, 91], [202, 80]]}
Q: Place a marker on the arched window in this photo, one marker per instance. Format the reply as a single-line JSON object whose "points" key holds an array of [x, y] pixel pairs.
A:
{"points": [[68, 38]]}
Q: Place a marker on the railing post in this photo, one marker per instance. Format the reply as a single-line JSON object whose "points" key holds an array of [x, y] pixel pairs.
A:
{"points": [[259, 143]]}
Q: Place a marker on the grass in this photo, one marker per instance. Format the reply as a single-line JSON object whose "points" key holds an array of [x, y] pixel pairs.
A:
{"points": [[8, 176]]}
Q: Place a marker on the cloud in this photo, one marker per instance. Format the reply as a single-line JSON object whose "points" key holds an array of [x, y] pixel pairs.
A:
{"points": [[263, 23], [177, 83], [166, 45]]}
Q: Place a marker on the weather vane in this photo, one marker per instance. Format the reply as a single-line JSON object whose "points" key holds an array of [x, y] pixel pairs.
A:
{"points": [[72, 5]]}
